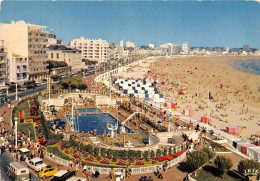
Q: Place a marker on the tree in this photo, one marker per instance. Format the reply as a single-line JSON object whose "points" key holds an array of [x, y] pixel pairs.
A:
{"points": [[209, 152], [196, 159], [158, 152], [82, 86], [244, 165], [223, 164], [109, 152], [12, 87], [152, 154], [65, 83], [164, 151], [146, 155], [96, 151], [55, 77], [74, 85], [103, 152]]}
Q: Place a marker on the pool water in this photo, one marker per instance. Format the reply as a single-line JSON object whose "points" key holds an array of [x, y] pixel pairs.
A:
{"points": [[88, 110], [96, 121]]}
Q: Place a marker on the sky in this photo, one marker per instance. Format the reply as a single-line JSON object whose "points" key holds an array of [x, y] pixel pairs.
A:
{"points": [[202, 23]]}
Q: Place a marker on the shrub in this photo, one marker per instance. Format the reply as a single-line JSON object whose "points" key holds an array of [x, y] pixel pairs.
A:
{"points": [[165, 151], [152, 153], [223, 164], [247, 164], [103, 152], [109, 152], [96, 151], [158, 152]]}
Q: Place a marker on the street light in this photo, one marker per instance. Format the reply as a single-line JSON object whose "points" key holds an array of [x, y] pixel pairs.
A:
{"points": [[15, 123]]}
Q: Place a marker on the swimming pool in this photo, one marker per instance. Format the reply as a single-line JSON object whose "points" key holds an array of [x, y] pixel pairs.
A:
{"points": [[95, 121]]}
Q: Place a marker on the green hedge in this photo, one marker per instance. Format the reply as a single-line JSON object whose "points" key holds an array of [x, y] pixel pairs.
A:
{"points": [[58, 152]]}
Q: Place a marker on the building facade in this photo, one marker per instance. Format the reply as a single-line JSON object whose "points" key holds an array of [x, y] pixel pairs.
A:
{"points": [[186, 48], [94, 50], [71, 56], [28, 41], [3, 61], [18, 69], [130, 44]]}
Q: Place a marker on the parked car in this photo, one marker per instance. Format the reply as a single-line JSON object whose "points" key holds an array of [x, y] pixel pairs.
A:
{"points": [[36, 164], [18, 171], [62, 175], [46, 172], [24, 152], [74, 178]]}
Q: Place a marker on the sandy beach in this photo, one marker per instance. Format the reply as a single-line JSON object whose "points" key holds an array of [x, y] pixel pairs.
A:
{"points": [[235, 95]]}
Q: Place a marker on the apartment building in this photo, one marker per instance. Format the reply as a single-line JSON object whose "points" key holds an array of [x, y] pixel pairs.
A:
{"points": [[27, 42], [71, 56], [94, 50], [186, 48], [18, 69], [3, 58]]}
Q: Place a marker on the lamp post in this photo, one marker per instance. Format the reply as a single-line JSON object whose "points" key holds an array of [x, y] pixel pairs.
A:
{"points": [[15, 123], [16, 91]]}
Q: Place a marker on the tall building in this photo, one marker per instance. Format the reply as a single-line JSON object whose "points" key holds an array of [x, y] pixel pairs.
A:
{"points": [[151, 45], [71, 56], [52, 39], [130, 44], [94, 50], [122, 43], [27, 41], [186, 48], [3, 57], [175, 49]]}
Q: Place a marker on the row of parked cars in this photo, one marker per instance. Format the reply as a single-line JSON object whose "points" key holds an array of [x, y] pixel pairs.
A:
{"points": [[20, 172]]}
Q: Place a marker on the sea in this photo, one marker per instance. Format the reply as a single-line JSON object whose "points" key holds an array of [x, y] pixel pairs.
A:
{"points": [[250, 66]]}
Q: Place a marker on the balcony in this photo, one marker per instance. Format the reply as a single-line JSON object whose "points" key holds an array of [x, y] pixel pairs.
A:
{"points": [[3, 54], [2, 69], [2, 61]]}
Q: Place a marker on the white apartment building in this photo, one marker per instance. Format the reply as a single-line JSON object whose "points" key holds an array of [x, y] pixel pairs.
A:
{"points": [[122, 43], [151, 45], [18, 68], [130, 44], [27, 41], [186, 47], [171, 49], [71, 56], [3, 58], [94, 50]]}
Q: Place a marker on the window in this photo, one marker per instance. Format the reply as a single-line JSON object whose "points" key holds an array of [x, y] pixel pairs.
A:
{"points": [[57, 55], [51, 55]]}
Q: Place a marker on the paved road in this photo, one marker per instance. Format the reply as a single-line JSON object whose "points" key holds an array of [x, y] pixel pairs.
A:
{"points": [[5, 159]]}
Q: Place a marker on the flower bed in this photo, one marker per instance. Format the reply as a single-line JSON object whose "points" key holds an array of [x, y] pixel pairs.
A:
{"points": [[104, 162], [120, 163], [139, 163]]}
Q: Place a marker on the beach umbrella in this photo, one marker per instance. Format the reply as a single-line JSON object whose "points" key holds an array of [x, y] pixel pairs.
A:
{"points": [[52, 106], [221, 86], [180, 93], [159, 122], [53, 111]]}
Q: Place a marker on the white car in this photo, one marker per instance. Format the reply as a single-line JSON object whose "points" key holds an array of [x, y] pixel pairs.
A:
{"points": [[74, 178], [36, 164]]}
